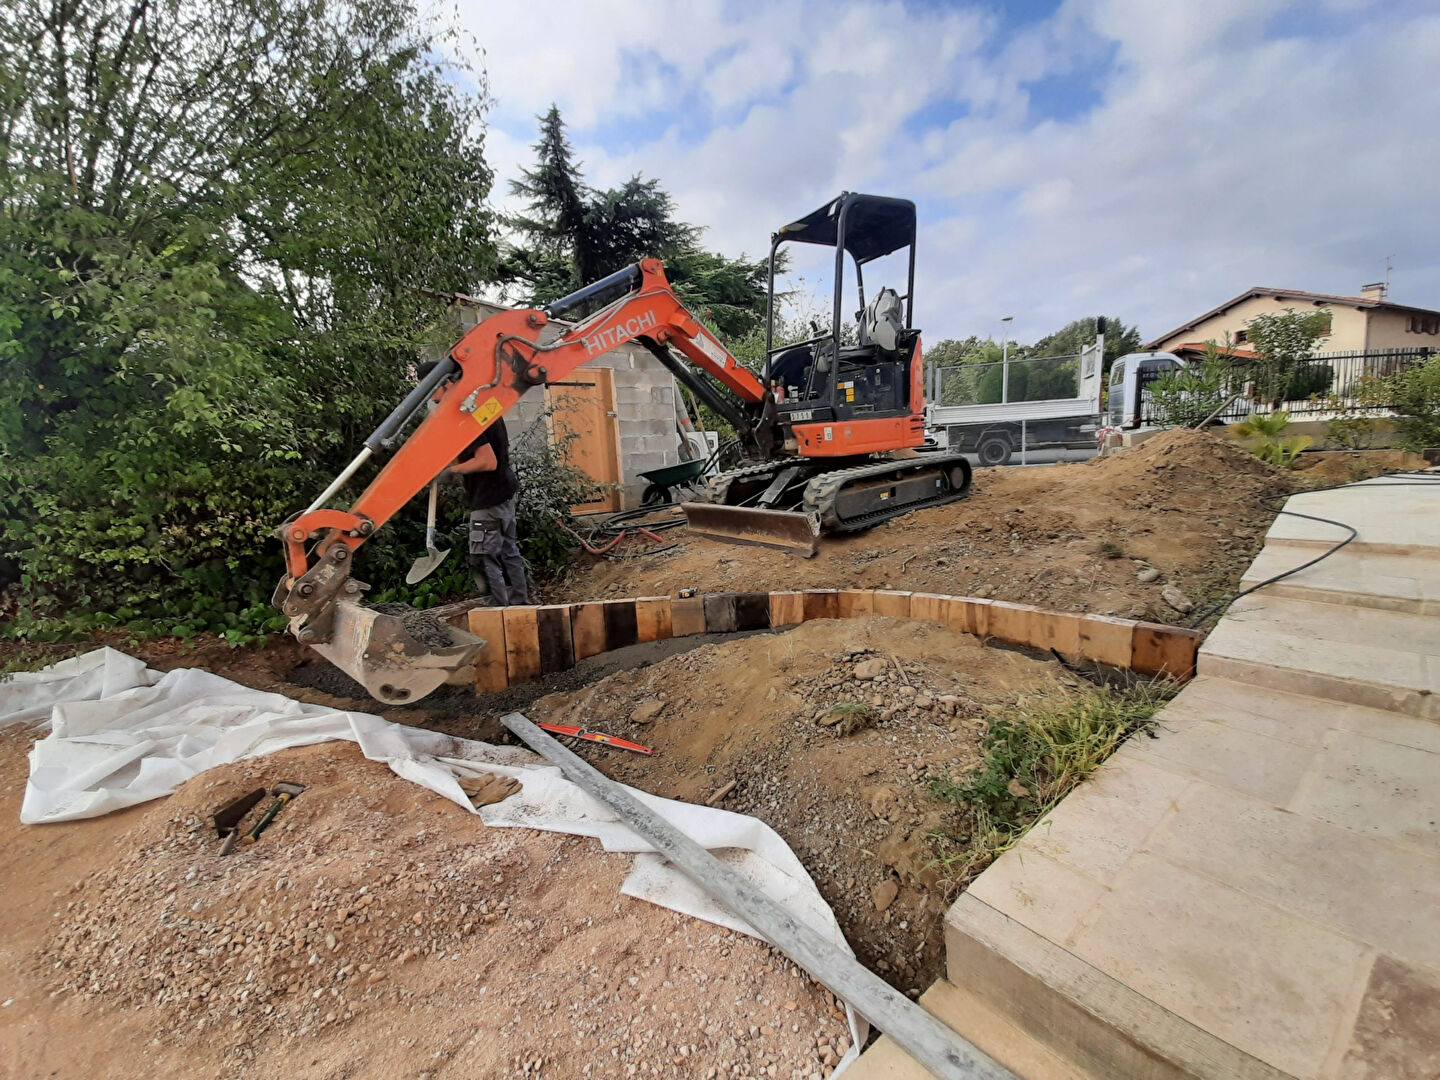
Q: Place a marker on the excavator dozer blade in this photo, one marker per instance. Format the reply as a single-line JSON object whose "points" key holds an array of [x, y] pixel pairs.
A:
{"points": [[398, 659], [786, 530]]}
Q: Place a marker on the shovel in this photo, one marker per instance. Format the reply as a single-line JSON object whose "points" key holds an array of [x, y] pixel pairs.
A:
{"points": [[426, 564]]}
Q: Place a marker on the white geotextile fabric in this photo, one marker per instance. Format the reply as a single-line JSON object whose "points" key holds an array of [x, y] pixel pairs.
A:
{"points": [[121, 734]]}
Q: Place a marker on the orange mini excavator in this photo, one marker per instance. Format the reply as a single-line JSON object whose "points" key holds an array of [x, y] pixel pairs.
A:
{"points": [[832, 433]]}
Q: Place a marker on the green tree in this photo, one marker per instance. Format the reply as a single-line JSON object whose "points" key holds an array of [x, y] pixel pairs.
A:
{"points": [[215, 220], [1073, 337], [951, 351], [1286, 342], [573, 234]]}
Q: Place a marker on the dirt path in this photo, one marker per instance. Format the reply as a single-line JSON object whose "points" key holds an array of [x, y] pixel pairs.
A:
{"points": [[376, 931]]}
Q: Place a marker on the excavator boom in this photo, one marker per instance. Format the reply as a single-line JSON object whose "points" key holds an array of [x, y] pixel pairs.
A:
{"points": [[834, 433], [400, 660]]}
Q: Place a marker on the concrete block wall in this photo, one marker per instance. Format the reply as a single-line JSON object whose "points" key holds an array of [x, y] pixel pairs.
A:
{"points": [[645, 395]]}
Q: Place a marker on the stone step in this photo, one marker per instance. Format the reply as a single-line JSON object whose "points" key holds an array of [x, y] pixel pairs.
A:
{"points": [[1353, 576], [987, 1029], [1360, 655], [1392, 516], [1082, 1017]]}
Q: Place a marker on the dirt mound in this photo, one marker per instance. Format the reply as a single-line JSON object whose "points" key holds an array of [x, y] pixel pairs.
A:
{"points": [[1348, 466], [1077, 537], [1200, 454], [829, 733], [378, 930]]}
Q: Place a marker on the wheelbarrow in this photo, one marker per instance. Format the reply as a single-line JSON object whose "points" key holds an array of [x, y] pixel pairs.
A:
{"points": [[657, 493]]}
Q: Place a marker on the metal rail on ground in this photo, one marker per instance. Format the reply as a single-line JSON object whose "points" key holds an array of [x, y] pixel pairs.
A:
{"points": [[925, 1038]]}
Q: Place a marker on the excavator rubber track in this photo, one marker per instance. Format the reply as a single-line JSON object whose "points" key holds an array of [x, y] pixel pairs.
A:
{"points": [[833, 501], [848, 500], [717, 488]]}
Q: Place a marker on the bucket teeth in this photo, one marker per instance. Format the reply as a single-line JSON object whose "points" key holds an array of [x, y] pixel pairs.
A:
{"points": [[785, 530]]}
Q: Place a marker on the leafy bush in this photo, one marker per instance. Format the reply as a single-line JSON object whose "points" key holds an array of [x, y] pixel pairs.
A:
{"points": [[201, 321], [1264, 436], [549, 487], [1286, 342], [1309, 380], [1185, 397], [1357, 405], [1415, 394]]}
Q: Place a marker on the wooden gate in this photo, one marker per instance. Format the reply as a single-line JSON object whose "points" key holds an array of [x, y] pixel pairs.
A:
{"points": [[583, 424]]}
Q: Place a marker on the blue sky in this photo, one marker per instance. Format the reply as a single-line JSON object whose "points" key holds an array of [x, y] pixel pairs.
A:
{"points": [[1140, 158]]}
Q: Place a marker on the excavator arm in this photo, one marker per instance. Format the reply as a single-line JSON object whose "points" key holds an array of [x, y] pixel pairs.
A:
{"points": [[485, 373]]}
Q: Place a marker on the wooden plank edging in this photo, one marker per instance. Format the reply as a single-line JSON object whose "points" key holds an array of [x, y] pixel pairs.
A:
{"points": [[524, 643]]}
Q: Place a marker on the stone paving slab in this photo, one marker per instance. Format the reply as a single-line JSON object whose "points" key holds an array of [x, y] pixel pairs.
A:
{"points": [[1391, 516], [1351, 576], [1382, 659], [988, 1029], [1254, 891], [1378, 789], [1270, 982]]}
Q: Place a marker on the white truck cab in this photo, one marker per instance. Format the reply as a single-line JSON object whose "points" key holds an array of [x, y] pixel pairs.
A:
{"points": [[1129, 376]]}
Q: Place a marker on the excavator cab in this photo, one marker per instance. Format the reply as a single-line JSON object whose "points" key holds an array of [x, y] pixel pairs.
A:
{"points": [[869, 374]]}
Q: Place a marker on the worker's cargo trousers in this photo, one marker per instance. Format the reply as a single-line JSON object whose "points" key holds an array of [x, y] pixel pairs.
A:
{"points": [[495, 555]]}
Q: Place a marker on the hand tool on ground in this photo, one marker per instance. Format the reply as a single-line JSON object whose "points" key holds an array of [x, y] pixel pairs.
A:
{"points": [[227, 819], [828, 434], [427, 564], [596, 737], [232, 813], [283, 793]]}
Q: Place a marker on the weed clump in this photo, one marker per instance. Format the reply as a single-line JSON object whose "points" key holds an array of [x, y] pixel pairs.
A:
{"points": [[1033, 757], [849, 717]]}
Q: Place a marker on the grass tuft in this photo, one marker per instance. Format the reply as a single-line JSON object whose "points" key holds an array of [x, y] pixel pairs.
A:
{"points": [[1034, 756], [848, 717]]}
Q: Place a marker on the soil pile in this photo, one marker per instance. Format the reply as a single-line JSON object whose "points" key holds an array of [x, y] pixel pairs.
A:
{"points": [[1076, 537], [830, 733], [374, 930]]}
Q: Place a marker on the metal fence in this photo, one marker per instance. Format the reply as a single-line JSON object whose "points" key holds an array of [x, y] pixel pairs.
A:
{"points": [[1326, 386], [1038, 379]]}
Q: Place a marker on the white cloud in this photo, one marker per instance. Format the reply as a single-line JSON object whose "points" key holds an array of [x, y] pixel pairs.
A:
{"points": [[1225, 149]]}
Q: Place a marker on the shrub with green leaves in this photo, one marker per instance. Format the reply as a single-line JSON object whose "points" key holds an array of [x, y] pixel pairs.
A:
{"points": [[1264, 436], [215, 220], [549, 487], [1187, 396], [1415, 393], [1286, 342]]}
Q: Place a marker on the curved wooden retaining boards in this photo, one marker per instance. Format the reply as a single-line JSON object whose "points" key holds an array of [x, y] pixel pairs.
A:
{"points": [[524, 643]]}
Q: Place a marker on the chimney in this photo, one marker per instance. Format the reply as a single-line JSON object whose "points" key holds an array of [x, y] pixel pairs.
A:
{"points": [[1375, 291]]}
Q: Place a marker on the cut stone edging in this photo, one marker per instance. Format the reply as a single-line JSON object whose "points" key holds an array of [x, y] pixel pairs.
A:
{"points": [[525, 642]]}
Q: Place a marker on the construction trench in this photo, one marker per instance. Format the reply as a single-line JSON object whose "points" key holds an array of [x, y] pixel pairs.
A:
{"points": [[383, 931]]}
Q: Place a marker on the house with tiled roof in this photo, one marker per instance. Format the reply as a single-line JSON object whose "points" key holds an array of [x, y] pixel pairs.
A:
{"points": [[1364, 323]]}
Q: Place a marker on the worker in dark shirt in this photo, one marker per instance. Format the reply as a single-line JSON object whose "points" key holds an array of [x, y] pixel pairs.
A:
{"points": [[490, 490]]}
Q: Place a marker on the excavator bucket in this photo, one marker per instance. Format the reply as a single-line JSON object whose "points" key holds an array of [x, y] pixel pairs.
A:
{"points": [[397, 658], [786, 530]]}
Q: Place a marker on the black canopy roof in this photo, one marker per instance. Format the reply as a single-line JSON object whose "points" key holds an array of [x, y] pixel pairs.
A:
{"points": [[874, 225]]}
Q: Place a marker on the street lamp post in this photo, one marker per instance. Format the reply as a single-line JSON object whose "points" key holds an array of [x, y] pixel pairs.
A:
{"points": [[1005, 359]]}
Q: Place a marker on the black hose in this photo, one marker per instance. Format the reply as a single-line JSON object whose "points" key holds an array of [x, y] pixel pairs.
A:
{"points": [[1418, 480]]}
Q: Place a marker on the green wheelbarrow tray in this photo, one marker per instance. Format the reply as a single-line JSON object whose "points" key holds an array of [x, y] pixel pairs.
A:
{"points": [[662, 480]]}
